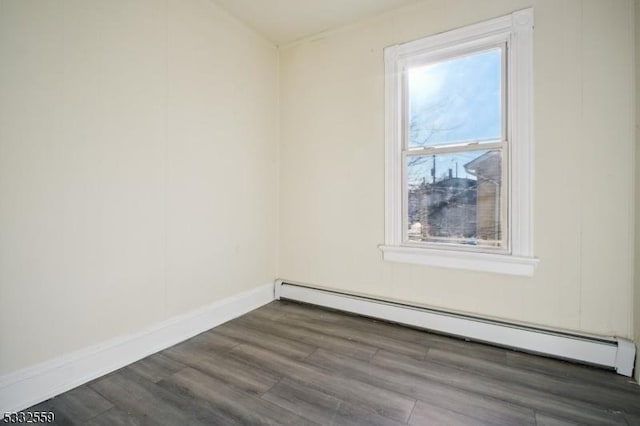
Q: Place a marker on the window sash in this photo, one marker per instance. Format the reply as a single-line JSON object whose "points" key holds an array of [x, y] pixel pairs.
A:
{"points": [[504, 206], [447, 149], [500, 145], [503, 46]]}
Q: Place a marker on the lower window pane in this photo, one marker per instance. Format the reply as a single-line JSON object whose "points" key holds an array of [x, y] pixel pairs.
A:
{"points": [[455, 198]]}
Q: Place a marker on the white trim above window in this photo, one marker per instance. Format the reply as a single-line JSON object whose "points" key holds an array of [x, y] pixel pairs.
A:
{"points": [[513, 36]]}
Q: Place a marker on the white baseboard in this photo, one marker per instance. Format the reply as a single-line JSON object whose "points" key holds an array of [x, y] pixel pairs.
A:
{"points": [[31, 385], [601, 351]]}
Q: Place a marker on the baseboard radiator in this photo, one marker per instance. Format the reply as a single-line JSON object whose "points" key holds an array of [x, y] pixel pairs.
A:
{"points": [[614, 353]]}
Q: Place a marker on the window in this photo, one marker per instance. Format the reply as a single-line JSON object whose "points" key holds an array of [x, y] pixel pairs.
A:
{"points": [[459, 154]]}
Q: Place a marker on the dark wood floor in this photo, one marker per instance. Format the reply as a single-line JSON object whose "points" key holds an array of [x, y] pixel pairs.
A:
{"points": [[292, 364]]}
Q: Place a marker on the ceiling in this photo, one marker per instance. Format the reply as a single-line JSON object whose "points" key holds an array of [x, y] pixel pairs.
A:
{"points": [[284, 21]]}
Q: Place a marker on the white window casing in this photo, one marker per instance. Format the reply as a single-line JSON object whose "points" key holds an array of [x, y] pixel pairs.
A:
{"points": [[515, 32]]}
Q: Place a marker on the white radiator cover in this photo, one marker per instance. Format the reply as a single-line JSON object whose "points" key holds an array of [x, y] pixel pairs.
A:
{"points": [[611, 352]]}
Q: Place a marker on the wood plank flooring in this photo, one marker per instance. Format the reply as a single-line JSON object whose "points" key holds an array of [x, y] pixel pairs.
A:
{"points": [[294, 364]]}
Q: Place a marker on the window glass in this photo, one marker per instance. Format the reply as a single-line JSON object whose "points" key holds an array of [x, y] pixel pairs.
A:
{"points": [[456, 100], [455, 198]]}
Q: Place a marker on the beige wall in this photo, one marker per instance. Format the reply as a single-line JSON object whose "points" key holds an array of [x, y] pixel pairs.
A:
{"points": [[137, 168], [122, 125], [332, 166], [636, 305]]}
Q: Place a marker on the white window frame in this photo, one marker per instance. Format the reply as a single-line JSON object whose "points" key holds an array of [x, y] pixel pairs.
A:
{"points": [[516, 32]]}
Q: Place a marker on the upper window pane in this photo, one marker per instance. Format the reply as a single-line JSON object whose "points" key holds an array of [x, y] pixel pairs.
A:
{"points": [[456, 100]]}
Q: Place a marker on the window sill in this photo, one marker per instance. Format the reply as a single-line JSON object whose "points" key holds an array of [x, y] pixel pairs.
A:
{"points": [[486, 262]]}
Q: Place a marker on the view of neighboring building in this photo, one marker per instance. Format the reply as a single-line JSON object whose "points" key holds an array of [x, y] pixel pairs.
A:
{"points": [[487, 168], [459, 210]]}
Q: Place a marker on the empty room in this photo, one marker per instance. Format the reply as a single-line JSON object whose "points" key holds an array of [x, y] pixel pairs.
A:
{"points": [[320, 212]]}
